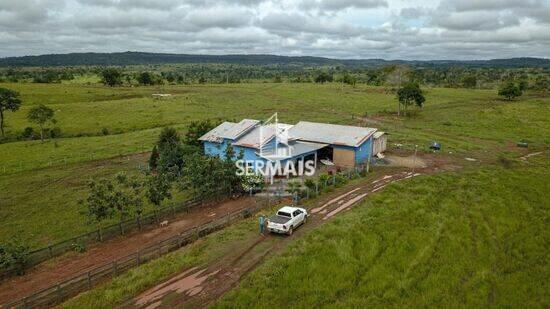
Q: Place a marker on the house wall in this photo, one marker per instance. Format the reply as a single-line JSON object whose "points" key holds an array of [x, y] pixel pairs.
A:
{"points": [[347, 156], [216, 149], [379, 144], [364, 151], [343, 156]]}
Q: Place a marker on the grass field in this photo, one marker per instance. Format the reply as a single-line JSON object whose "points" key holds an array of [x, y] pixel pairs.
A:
{"points": [[472, 239], [465, 121]]}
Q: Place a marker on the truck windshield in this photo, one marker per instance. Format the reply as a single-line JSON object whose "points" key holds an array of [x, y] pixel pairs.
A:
{"points": [[283, 214]]}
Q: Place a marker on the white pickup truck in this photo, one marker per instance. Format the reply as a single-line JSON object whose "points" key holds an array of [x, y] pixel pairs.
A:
{"points": [[286, 220]]}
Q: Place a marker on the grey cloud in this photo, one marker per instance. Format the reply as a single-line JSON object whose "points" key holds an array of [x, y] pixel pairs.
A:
{"points": [[337, 5], [449, 30]]}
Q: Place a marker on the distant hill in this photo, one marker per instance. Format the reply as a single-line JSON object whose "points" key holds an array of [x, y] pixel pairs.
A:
{"points": [[136, 58]]}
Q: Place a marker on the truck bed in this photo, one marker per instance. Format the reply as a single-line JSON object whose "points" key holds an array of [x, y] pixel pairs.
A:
{"points": [[279, 219]]}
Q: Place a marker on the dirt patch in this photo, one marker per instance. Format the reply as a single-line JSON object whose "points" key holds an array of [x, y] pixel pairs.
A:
{"points": [[72, 264], [409, 162]]}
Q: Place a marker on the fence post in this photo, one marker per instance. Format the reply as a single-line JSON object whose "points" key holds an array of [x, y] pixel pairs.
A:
{"points": [[50, 251], [89, 280], [59, 293], [138, 258], [115, 266], [120, 227], [307, 193], [158, 248]]}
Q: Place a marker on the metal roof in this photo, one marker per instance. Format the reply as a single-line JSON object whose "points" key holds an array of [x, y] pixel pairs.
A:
{"points": [[377, 134], [330, 133], [229, 130], [252, 137], [297, 148]]}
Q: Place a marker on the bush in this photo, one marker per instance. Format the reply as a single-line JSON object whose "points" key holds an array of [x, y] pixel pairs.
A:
{"points": [[78, 247], [14, 255], [28, 133], [105, 131], [55, 132]]}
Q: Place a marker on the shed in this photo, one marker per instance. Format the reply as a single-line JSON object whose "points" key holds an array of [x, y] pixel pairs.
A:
{"points": [[380, 141]]}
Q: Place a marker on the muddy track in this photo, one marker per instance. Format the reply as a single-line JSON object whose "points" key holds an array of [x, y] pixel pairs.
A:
{"points": [[196, 288]]}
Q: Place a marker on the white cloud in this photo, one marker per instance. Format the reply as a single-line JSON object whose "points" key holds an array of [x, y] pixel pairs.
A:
{"points": [[423, 29]]}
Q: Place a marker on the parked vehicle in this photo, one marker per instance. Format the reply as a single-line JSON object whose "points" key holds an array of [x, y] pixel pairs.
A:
{"points": [[286, 220]]}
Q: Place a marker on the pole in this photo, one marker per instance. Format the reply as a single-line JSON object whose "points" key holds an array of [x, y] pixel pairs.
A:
{"points": [[414, 160]]}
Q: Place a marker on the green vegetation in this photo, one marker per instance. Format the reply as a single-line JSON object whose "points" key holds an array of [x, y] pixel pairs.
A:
{"points": [[43, 192], [474, 239]]}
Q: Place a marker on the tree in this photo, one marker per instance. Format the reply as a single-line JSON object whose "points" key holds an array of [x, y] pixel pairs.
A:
{"points": [[145, 78], [111, 77], [198, 128], [158, 188], [409, 94], [107, 198], [469, 81], [9, 101], [14, 254], [41, 115], [323, 77], [523, 85], [396, 78], [170, 151], [153, 160], [509, 90]]}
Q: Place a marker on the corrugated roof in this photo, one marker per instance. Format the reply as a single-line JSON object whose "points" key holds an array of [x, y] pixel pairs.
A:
{"points": [[229, 130], [252, 138], [297, 148], [330, 133]]}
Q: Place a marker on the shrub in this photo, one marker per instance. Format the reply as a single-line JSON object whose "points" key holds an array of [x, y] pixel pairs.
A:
{"points": [[105, 131], [28, 133], [55, 132], [14, 255], [78, 247]]}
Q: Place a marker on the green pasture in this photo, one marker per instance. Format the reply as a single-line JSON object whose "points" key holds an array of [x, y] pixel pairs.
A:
{"points": [[465, 121], [469, 239]]}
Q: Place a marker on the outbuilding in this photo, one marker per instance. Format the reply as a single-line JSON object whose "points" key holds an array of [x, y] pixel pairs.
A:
{"points": [[380, 141]]}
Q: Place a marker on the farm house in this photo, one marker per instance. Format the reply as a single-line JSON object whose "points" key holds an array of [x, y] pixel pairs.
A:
{"points": [[328, 144]]}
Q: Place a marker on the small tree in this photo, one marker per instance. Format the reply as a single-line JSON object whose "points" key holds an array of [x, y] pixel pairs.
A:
{"points": [[41, 115], [510, 91], [158, 188], [146, 78], [9, 101], [409, 94], [323, 77], [108, 198], [14, 254], [196, 129], [170, 151], [111, 77], [153, 160], [396, 78]]}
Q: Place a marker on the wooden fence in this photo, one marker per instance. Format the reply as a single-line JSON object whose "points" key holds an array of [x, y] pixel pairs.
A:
{"points": [[43, 254], [62, 291]]}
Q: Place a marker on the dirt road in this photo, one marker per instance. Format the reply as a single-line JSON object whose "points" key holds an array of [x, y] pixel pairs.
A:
{"points": [[72, 264], [196, 287]]}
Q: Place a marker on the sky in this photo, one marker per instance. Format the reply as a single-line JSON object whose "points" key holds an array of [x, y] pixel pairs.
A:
{"points": [[349, 29]]}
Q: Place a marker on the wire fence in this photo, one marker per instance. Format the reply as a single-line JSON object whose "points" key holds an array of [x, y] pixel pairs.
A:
{"points": [[62, 291]]}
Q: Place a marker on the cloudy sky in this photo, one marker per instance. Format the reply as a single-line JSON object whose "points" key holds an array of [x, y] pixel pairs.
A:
{"points": [[388, 29]]}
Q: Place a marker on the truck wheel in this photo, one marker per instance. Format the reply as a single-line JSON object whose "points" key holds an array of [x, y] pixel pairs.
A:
{"points": [[290, 231]]}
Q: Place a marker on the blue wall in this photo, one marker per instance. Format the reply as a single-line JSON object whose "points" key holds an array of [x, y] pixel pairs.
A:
{"points": [[363, 152], [216, 149]]}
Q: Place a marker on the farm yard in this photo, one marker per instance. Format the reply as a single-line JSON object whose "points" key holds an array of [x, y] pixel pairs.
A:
{"points": [[417, 232]]}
